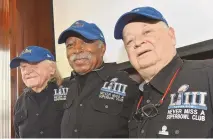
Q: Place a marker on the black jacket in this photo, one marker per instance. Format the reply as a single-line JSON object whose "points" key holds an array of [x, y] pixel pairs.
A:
{"points": [[38, 115], [187, 110], [99, 104]]}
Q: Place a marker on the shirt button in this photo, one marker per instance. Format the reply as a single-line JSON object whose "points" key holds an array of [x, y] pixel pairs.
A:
{"points": [[147, 101], [81, 105], [106, 106], [37, 114], [41, 132], [75, 130], [177, 131], [142, 131], [129, 121]]}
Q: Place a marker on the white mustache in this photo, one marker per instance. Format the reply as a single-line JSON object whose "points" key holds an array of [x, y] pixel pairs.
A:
{"points": [[82, 55]]}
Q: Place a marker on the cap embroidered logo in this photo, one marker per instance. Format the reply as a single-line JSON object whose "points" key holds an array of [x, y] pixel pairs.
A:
{"points": [[48, 55], [26, 51], [136, 10], [78, 24]]}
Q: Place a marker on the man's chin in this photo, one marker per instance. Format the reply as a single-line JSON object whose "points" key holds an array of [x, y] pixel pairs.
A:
{"points": [[30, 85], [147, 64], [82, 72]]}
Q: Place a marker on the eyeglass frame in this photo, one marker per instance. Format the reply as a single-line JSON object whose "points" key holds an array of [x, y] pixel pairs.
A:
{"points": [[142, 112]]}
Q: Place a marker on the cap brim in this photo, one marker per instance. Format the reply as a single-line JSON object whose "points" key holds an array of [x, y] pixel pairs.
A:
{"points": [[125, 19], [71, 32], [16, 61]]}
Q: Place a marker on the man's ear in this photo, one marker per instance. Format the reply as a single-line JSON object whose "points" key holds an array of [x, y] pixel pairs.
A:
{"points": [[103, 49], [172, 35], [52, 67]]}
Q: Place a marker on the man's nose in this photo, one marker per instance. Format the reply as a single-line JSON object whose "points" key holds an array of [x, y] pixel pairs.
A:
{"points": [[139, 41], [79, 48], [27, 70]]}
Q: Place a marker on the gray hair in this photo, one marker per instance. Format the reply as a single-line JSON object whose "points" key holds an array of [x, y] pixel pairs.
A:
{"points": [[56, 76], [100, 44]]}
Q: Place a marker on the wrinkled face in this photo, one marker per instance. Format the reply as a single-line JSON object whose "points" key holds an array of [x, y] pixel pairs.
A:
{"points": [[148, 44], [83, 55], [35, 75]]}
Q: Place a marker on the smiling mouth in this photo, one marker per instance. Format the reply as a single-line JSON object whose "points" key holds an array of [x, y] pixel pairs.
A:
{"points": [[80, 59], [30, 78]]}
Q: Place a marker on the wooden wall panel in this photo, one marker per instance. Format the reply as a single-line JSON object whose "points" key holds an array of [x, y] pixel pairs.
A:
{"points": [[4, 70], [45, 39]]}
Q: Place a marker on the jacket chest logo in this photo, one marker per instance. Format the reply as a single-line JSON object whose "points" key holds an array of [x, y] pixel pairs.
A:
{"points": [[187, 105], [60, 93], [113, 90]]}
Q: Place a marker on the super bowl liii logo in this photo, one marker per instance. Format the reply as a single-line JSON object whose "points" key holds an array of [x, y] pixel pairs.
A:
{"points": [[60, 93], [113, 90], [187, 105]]}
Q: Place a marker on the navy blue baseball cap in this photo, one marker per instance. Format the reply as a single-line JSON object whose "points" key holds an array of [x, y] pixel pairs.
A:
{"points": [[141, 12], [89, 31], [32, 54]]}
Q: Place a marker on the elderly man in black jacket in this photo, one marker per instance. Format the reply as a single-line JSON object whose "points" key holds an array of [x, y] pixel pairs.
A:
{"points": [[100, 96]]}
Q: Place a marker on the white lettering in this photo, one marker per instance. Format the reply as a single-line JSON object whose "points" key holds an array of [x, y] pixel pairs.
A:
{"points": [[119, 87], [190, 111], [124, 89], [202, 112], [194, 98], [172, 99], [110, 85], [65, 91], [198, 118], [202, 98], [178, 116], [179, 99], [55, 90], [115, 86], [105, 84], [186, 102], [169, 111]]}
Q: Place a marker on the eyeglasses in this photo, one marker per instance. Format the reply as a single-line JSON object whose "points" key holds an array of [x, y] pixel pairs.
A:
{"points": [[147, 111], [150, 110]]}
